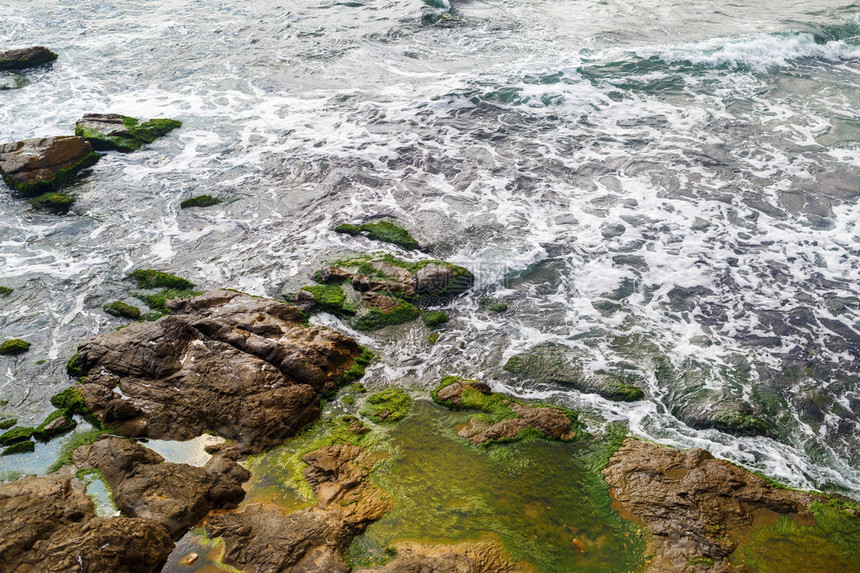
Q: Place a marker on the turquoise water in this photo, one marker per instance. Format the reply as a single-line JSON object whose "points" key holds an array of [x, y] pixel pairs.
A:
{"points": [[652, 184]]}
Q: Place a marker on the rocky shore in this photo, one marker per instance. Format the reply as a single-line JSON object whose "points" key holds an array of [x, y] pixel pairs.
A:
{"points": [[297, 425]]}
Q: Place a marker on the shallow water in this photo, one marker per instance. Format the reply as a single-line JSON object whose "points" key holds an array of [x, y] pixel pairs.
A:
{"points": [[658, 181]]}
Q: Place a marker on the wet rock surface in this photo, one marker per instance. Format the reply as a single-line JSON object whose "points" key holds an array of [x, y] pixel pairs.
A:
{"points": [[516, 417], [693, 504], [116, 544], [49, 525], [268, 539], [36, 166], [465, 558], [176, 496], [22, 58], [239, 366]]}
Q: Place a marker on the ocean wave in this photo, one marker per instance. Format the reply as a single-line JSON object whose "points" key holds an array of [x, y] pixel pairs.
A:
{"points": [[758, 52]]}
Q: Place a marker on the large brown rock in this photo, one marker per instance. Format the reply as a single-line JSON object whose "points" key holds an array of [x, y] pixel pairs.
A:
{"points": [[267, 539], [36, 166], [26, 58], [48, 525], [227, 363], [99, 545], [176, 496], [693, 504], [33, 509]]}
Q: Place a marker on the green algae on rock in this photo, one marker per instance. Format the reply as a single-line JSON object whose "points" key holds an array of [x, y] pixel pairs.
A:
{"points": [[115, 132], [122, 310], [6, 291], [382, 231], [14, 347], [35, 167], [503, 419], [434, 318], [539, 500], [199, 201], [54, 202], [150, 278], [19, 448], [8, 423], [373, 292], [15, 435], [24, 58], [387, 406]]}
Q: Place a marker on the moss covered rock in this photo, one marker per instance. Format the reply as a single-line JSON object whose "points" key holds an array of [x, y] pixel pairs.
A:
{"points": [[149, 278], [114, 132], [387, 406], [19, 448], [15, 435], [6, 291], [434, 318], [53, 202], [35, 167], [382, 231], [122, 310], [14, 346], [26, 58], [199, 201]]}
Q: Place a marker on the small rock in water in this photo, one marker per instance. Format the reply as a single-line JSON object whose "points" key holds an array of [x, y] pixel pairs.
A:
{"points": [[190, 559], [10, 81], [26, 58]]}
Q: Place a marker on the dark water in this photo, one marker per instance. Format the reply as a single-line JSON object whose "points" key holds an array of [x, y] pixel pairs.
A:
{"points": [[665, 183]]}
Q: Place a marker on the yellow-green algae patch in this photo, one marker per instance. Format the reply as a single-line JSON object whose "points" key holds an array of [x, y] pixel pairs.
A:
{"points": [[545, 501], [831, 544]]}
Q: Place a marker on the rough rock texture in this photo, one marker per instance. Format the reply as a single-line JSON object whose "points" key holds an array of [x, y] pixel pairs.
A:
{"points": [[115, 132], [550, 421], [239, 366], [37, 166], [269, 540], [692, 503], [26, 58], [48, 525], [464, 558], [176, 496], [34, 508], [116, 544]]}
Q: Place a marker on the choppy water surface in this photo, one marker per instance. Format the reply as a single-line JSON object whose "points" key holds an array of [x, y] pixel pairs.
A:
{"points": [[665, 183]]}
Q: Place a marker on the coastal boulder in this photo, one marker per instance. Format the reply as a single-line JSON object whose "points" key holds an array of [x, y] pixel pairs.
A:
{"points": [[176, 496], [115, 132], [693, 504], [242, 367], [26, 58], [36, 166], [266, 538], [35, 508]]}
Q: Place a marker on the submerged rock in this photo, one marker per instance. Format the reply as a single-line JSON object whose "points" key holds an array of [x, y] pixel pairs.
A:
{"points": [[693, 504], [37, 166], [268, 539], [10, 81], [26, 58], [243, 367], [115, 132], [551, 363], [176, 496]]}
